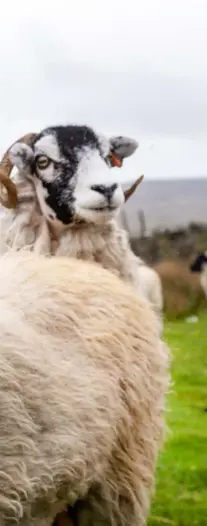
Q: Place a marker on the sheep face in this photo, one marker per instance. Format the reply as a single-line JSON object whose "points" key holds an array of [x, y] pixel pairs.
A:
{"points": [[199, 263], [70, 167]]}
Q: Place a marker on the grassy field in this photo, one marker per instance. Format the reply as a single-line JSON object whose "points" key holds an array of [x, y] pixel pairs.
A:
{"points": [[181, 490]]}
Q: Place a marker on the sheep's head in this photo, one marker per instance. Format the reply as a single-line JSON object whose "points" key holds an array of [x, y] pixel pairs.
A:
{"points": [[199, 262], [71, 170]]}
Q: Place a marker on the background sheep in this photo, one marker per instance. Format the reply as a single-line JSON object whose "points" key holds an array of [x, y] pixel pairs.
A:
{"points": [[82, 383], [200, 265], [182, 292]]}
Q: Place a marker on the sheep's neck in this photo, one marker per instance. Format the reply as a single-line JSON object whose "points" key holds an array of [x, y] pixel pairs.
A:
{"points": [[105, 244]]}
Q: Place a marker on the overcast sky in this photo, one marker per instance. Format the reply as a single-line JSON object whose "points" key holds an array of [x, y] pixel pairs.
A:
{"points": [[139, 70]]}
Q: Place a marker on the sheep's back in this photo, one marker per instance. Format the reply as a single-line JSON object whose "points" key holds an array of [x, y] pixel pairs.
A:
{"points": [[75, 346]]}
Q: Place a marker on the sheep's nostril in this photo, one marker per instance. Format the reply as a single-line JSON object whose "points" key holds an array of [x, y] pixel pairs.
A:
{"points": [[107, 191]]}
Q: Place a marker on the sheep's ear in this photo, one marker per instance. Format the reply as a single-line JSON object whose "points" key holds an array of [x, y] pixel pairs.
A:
{"points": [[122, 147], [21, 155]]}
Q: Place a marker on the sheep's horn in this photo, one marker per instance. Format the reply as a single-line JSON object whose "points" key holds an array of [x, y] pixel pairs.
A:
{"points": [[131, 189], [10, 201]]}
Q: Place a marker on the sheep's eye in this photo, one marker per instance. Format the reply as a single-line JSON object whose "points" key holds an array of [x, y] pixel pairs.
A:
{"points": [[42, 162]]}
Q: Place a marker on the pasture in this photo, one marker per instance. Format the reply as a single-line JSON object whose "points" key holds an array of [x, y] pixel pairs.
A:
{"points": [[181, 489]]}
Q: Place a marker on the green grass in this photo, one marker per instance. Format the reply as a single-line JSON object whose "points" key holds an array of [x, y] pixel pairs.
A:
{"points": [[181, 487]]}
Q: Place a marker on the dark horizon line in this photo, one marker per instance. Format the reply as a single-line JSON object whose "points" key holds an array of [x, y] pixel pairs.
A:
{"points": [[171, 179]]}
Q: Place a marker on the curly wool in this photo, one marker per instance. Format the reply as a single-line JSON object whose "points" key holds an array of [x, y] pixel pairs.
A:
{"points": [[83, 377], [152, 289], [106, 244]]}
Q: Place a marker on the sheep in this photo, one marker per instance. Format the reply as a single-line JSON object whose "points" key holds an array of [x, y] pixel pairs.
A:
{"points": [[83, 379], [65, 190], [66, 193], [152, 289], [200, 265]]}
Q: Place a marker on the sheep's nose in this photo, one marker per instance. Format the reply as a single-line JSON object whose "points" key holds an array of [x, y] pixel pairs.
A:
{"points": [[107, 191]]}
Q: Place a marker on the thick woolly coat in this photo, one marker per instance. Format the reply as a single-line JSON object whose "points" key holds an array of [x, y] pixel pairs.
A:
{"points": [[106, 244], [83, 377]]}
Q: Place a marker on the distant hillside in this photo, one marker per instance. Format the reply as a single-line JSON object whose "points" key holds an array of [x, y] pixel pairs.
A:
{"points": [[168, 204]]}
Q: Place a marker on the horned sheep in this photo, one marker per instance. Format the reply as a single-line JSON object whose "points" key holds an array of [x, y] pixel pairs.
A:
{"points": [[66, 200], [83, 378]]}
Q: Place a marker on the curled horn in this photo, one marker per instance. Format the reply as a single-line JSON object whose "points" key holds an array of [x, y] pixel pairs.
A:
{"points": [[10, 201], [132, 188]]}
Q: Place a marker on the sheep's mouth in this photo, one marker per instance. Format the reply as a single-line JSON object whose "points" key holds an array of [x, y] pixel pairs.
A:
{"points": [[108, 208]]}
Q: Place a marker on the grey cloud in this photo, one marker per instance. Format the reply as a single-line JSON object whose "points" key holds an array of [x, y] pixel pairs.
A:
{"points": [[134, 95], [145, 75]]}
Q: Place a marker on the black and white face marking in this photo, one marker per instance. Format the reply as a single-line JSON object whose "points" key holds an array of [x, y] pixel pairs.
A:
{"points": [[71, 170], [199, 262]]}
